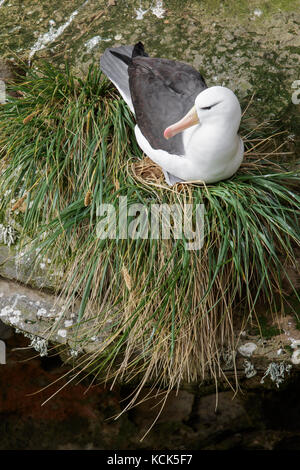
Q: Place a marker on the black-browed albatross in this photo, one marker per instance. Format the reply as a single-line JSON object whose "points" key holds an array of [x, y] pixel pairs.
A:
{"points": [[188, 129]]}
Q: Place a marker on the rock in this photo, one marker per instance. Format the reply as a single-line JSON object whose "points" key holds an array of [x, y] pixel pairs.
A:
{"points": [[247, 349], [296, 357], [10, 73], [288, 443], [177, 409], [6, 331], [22, 268], [44, 317], [74, 415], [76, 418], [230, 414], [7, 71]]}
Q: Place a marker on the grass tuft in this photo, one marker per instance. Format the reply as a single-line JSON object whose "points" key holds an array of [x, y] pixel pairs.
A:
{"points": [[67, 145]]}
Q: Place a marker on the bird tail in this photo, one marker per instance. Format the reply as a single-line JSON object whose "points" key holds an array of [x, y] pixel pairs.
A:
{"points": [[138, 50]]}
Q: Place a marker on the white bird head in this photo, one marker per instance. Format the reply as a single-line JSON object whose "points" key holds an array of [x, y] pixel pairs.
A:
{"points": [[216, 106]]}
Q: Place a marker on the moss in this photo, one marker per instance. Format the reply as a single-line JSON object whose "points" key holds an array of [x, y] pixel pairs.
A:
{"points": [[239, 8], [289, 349], [265, 329]]}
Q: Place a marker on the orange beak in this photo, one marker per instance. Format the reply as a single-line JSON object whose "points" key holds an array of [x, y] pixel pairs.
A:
{"points": [[190, 119]]}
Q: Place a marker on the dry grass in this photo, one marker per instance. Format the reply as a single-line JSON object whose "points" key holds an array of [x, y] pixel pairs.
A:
{"points": [[173, 314]]}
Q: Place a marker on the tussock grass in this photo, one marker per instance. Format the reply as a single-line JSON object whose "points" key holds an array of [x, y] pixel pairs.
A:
{"points": [[174, 315]]}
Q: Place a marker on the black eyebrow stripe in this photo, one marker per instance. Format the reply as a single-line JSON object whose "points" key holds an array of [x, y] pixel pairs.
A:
{"points": [[211, 106]]}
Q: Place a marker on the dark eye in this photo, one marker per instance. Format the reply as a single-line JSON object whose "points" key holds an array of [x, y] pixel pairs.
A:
{"points": [[207, 107]]}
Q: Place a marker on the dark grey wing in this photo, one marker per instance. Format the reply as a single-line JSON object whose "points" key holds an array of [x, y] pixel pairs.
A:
{"points": [[162, 92]]}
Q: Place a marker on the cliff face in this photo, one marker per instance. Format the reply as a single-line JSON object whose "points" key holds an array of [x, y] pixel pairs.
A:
{"points": [[251, 50], [265, 417]]}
